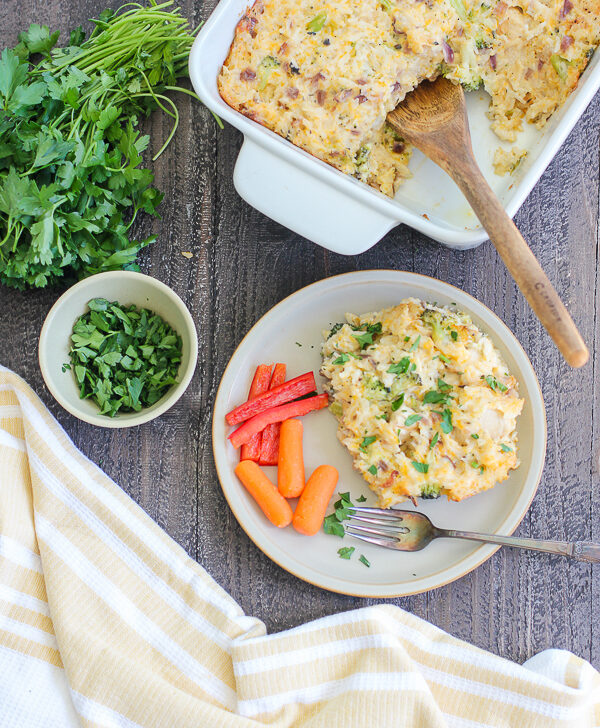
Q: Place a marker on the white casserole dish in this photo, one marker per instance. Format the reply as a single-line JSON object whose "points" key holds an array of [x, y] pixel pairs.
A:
{"points": [[342, 214]]}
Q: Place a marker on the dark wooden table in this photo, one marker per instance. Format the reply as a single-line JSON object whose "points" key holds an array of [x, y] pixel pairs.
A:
{"points": [[515, 604]]}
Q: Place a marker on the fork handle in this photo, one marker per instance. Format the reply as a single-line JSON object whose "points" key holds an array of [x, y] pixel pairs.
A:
{"points": [[580, 550]]}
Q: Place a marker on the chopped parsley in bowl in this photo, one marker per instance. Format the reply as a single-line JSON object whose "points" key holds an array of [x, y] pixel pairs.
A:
{"points": [[123, 358], [124, 341]]}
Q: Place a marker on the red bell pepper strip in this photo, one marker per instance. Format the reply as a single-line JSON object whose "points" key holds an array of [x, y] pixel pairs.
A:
{"points": [[286, 392], [269, 446], [277, 414], [260, 384]]}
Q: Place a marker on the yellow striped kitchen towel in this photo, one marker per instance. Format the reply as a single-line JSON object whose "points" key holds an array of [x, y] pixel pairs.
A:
{"points": [[105, 621]]}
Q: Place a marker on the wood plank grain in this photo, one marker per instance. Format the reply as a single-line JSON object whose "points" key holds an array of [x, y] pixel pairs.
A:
{"points": [[516, 603]]}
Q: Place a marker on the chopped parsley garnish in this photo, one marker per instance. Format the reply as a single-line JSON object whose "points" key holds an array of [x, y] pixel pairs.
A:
{"points": [[415, 343], [346, 552], [342, 359], [384, 416], [397, 403], [332, 523], [411, 419], [364, 339], [477, 466], [366, 441], [361, 499], [433, 397], [420, 467], [373, 470], [332, 526], [407, 338], [444, 358], [401, 367], [363, 560], [495, 384], [475, 437], [446, 423], [454, 335], [505, 448], [433, 442], [443, 386]]}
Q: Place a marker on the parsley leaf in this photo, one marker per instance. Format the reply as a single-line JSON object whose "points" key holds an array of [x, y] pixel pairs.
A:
{"points": [[366, 441], [420, 467], [401, 367], [361, 499], [433, 397], [505, 448], [372, 470], [364, 339], [434, 440], [363, 560], [342, 359], [454, 335], [495, 384], [332, 526], [411, 419], [446, 424], [346, 552], [397, 403]]}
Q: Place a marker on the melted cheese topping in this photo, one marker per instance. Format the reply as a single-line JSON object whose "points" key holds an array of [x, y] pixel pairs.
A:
{"points": [[324, 75], [425, 404]]}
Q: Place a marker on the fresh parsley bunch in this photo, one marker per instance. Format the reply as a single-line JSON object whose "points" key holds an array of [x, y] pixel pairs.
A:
{"points": [[71, 183]]}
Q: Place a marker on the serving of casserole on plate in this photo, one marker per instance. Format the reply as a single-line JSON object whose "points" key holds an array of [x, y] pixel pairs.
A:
{"points": [[324, 77], [292, 332]]}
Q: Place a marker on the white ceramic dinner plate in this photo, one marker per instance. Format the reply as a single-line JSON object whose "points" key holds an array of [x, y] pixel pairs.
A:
{"points": [[292, 333]]}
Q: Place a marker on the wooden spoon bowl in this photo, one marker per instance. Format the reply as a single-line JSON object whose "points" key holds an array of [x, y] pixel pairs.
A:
{"points": [[433, 118]]}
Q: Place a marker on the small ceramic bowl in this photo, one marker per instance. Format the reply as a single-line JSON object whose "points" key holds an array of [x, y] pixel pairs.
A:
{"points": [[128, 288]]}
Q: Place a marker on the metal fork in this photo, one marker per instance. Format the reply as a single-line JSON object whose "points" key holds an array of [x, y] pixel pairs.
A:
{"points": [[411, 531]]}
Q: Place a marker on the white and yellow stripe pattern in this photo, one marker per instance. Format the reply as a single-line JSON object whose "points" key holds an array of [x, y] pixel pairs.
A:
{"points": [[105, 621]]}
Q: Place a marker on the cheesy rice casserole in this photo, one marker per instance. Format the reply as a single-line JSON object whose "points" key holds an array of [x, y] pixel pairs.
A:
{"points": [[424, 402], [325, 74]]}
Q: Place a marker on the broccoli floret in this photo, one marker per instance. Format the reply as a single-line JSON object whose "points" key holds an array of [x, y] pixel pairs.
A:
{"points": [[375, 389], [430, 490], [334, 329], [473, 86], [435, 320], [265, 67]]}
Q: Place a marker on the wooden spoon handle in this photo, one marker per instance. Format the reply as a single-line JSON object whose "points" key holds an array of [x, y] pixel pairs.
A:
{"points": [[520, 261]]}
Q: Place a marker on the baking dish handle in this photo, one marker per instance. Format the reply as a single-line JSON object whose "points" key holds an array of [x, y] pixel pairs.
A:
{"points": [[305, 204]]}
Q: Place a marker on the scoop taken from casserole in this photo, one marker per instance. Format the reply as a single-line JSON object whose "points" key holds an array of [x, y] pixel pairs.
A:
{"points": [[325, 74], [425, 404]]}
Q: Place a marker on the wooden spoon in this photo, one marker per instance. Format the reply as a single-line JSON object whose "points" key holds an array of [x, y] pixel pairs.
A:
{"points": [[433, 118]]}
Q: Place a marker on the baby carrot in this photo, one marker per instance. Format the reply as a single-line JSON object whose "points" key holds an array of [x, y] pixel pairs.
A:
{"points": [[290, 465], [272, 503], [314, 500]]}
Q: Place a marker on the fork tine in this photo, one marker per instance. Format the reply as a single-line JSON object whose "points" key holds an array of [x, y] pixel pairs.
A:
{"points": [[384, 526], [370, 539], [389, 513], [384, 523], [374, 532]]}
